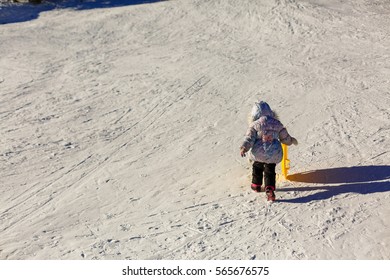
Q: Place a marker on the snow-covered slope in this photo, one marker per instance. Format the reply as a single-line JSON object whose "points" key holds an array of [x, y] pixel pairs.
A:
{"points": [[121, 126]]}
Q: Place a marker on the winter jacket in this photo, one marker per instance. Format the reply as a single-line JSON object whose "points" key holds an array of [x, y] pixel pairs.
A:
{"points": [[265, 135]]}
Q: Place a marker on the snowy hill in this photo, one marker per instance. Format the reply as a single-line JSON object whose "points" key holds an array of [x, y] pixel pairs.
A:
{"points": [[121, 126]]}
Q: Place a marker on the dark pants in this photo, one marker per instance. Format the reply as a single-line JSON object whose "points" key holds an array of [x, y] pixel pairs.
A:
{"points": [[269, 173]]}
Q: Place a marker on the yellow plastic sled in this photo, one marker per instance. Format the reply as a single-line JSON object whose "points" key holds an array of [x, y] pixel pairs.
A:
{"points": [[285, 161]]}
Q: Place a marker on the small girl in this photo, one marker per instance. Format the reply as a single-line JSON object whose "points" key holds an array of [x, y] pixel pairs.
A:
{"points": [[263, 138]]}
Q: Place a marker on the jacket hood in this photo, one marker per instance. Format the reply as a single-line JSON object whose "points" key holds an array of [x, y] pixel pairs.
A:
{"points": [[261, 109]]}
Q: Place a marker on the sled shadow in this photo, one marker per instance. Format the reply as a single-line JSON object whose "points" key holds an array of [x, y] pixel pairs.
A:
{"points": [[356, 179], [20, 12], [354, 174]]}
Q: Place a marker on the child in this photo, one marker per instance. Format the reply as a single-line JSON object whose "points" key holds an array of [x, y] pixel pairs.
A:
{"points": [[263, 138]]}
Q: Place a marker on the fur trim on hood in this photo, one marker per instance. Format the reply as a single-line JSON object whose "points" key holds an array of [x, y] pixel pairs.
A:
{"points": [[260, 109]]}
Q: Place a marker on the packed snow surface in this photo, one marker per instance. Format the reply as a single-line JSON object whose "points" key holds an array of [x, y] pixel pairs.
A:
{"points": [[121, 124]]}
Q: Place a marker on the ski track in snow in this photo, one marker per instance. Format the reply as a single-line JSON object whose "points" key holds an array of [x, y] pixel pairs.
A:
{"points": [[121, 130]]}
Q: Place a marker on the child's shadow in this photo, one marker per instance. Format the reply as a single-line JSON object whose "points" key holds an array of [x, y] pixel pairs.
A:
{"points": [[17, 12], [357, 179]]}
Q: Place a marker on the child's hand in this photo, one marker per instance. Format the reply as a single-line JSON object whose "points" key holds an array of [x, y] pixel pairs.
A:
{"points": [[242, 152], [294, 141]]}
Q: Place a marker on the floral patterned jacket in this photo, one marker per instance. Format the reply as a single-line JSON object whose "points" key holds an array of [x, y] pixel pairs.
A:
{"points": [[265, 135]]}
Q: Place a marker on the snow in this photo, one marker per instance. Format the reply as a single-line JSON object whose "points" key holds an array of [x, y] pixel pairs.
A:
{"points": [[121, 125]]}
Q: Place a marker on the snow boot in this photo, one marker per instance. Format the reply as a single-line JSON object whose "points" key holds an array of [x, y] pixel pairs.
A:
{"points": [[256, 187], [270, 192]]}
